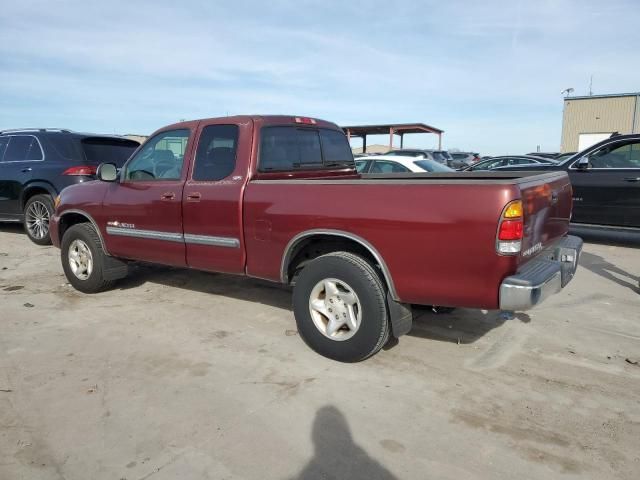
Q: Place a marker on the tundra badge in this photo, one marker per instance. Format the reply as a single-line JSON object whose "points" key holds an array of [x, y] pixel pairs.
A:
{"points": [[120, 225]]}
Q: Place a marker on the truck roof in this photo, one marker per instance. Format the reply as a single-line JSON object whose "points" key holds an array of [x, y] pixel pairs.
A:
{"points": [[258, 119]]}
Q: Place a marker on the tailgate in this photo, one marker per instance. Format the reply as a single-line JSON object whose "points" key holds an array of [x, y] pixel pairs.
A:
{"points": [[547, 202]]}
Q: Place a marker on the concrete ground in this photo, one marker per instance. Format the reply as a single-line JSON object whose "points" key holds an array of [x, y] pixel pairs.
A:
{"points": [[189, 375]]}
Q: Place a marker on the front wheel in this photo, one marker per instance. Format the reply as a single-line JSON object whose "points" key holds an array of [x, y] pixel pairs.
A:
{"points": [[37, 213], [83, 259], [340, 307]]}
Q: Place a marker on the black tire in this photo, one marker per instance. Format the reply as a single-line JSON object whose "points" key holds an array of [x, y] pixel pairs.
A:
{"points": [[95, 282], [38, 233], [365, 282]]}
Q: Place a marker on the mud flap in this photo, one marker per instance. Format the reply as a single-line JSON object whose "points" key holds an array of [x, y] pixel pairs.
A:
{"points": [[113, 268], [401, 316]]}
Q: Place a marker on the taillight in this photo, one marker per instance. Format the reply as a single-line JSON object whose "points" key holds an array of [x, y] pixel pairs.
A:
{"points": [[511, 229], [81, 170]]}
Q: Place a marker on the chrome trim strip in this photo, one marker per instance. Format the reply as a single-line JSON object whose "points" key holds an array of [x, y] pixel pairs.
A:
{"points": [[228, 242], [150, 234], [93, 222], [212, 241], [286, 257]]}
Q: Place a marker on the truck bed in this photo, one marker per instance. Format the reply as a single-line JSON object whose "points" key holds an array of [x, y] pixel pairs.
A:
{"points": [[436, 232]]}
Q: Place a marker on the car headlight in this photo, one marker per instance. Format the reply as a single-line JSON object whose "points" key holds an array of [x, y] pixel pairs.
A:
{"points": [[56, 202]]}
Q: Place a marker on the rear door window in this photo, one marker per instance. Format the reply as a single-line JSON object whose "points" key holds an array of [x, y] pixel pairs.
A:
{"points": [[216, 155], [384, 166], [23, 148]]}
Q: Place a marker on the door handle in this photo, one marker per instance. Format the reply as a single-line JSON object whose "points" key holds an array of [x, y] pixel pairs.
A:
{"points": [[194, 197], [168, 196], [25, 170], [632, 179]]}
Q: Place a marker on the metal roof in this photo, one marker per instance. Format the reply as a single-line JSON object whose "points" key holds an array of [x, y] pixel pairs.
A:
{"points": [[358, 130], [606, 95]]}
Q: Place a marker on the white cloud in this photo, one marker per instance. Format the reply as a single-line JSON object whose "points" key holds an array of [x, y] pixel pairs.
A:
{"points": [[489, 73]]}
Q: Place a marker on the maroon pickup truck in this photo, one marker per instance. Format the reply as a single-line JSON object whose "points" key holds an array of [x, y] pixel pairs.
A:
{"points": [[278, 198]]}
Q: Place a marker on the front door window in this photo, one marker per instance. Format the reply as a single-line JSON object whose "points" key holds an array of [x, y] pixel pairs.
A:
{"points": [[161, 158]]}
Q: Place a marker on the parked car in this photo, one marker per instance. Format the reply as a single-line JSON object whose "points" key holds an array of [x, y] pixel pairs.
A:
{"points": [[606, 184], [551, 155], [462, 160], [504, 161], [279, 198], [36, 164], [440, 156], [397, 164]]}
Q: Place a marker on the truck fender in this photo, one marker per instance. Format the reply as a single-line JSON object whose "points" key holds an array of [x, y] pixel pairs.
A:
{"points": [[286, 256]]}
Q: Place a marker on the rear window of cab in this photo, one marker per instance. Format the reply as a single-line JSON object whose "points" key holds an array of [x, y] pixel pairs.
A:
{"points": [[284, 148]]}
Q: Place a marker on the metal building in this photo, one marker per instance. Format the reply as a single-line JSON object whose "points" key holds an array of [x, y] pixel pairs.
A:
{"points": [[588, 120]]}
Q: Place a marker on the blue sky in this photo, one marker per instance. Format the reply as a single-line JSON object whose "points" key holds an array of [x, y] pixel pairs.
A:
{"points": [[489, 73]]}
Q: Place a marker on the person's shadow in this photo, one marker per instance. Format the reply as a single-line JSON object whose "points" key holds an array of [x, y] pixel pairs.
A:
{"points": [[336, 456], [600, 266]]}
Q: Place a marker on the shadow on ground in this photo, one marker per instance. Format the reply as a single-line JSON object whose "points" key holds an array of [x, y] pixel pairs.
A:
{"points": [[13, 228], [609, 271], [335, 453], [459, 326], [231, 286]]}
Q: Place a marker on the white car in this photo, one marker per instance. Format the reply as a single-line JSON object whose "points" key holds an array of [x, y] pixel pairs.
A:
{"points": [[398, 164]]}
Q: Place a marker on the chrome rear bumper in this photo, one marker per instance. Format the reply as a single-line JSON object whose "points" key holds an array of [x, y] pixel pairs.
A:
{"points": [[541, 277]]}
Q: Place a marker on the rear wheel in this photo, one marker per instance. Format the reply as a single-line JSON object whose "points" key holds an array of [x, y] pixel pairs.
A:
{"points": [[340, 307], [83, 259], [37, 213]]}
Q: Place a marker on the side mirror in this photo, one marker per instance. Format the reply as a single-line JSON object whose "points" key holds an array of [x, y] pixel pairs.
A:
{"points": [[583, 163], [107, 172]]}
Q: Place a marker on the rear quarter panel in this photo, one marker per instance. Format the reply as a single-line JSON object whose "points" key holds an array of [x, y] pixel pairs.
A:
{"points": [[436, 237]]}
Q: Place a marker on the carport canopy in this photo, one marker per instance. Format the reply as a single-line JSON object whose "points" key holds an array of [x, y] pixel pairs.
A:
{"points": [[392, 129]]}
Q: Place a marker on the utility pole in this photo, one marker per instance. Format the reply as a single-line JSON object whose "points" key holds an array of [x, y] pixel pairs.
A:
{"points": [[591, 85]]}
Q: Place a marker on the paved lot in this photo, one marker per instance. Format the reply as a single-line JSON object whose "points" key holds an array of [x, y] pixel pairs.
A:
{"points": [[194, 375]]}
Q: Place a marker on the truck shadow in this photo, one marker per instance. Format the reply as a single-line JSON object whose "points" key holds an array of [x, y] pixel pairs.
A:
{"points": [[460, 326], [232, 286]]}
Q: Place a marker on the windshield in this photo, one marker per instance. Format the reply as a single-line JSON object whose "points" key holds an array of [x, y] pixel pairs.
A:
{"points": [[431, 166], [108, 150], [440, 157]]}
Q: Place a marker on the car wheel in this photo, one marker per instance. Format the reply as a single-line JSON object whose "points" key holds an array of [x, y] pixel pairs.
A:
{"points": [[37, 213], [339, 302], [83, 259]]}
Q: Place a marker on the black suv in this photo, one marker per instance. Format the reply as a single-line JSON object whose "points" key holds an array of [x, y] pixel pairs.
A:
{"points": [[36, 164], [606, 185]]}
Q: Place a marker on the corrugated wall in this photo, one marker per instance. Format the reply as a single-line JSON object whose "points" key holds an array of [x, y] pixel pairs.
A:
{"points": [[597, 115]]}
